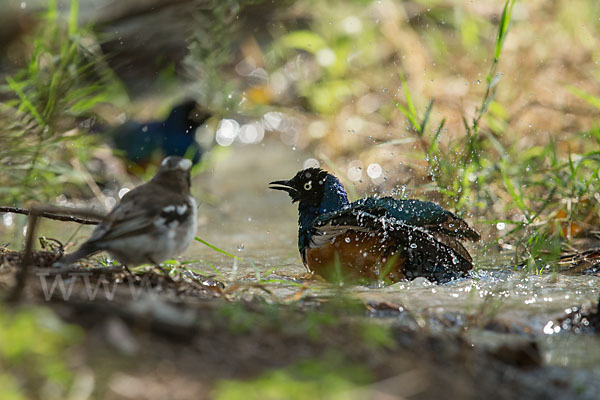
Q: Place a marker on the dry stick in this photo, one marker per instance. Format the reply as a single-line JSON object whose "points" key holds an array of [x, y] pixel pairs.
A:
{"points": [[46, 211], [89, 180], [15, 295], [50, 213]]}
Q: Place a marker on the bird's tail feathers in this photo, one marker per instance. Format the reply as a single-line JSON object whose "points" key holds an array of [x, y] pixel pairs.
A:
{"points": [[454, 244], [438, 259]]}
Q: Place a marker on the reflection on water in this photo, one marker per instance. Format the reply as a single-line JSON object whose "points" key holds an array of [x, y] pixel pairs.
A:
{"points": [[260, 226]]}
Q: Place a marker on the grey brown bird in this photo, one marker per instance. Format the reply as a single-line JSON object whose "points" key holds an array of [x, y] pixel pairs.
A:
{"points": [[152, 223]]}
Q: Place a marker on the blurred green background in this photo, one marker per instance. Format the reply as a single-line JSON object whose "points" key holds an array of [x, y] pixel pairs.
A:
{"points": [[420, 98]]}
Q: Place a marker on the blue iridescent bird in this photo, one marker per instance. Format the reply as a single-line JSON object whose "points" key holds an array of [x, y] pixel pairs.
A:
{"points": [[375, 238], [144, 143]]}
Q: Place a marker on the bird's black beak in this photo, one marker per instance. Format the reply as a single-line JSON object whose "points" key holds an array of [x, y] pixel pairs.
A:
{"points": [[286, 186], [282, 185]]}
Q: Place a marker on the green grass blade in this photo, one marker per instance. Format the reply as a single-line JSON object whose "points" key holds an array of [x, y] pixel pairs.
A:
{"points": [[282, 281], [382, 276], [587, 97], [215, 248], [518, 199], [73, 14], [413, 121], [425, 118], [216, 271], [503, 28], [18, 89], [411, 112], [256, 271], [433, 146]]}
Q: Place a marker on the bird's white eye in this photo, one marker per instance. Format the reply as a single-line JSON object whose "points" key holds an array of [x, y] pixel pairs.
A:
{"points": [[308, 185]]}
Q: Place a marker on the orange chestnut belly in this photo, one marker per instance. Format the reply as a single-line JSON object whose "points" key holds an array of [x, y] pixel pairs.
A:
{"points": [[357, 256]]}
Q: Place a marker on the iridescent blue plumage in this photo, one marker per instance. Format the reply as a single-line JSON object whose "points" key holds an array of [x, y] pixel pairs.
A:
{"points": [[413, 212], [142, 142], [334, 198], [419, 213]]}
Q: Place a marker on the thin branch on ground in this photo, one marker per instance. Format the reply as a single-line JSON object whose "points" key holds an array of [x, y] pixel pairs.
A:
{"points": [[60, 214], [15, 294]]}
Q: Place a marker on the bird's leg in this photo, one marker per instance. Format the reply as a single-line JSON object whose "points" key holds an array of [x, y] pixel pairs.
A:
{"points": [[163, 270], [126, 268], [308, 274]]}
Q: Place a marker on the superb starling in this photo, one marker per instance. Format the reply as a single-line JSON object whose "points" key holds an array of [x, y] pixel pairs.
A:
{"points": [[374, 238]]}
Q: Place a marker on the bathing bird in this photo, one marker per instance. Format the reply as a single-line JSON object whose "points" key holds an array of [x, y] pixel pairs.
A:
{"points": [[152, 223], [374, 238]]}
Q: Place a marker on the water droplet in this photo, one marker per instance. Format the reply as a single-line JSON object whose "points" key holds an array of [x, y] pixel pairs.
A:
{"points": [[123, 191], [227, 132], [7, 219]]}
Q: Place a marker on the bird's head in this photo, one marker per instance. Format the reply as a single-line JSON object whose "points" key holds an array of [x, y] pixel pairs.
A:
{"points": [[174, 173], [187, 115], [314, 187]]}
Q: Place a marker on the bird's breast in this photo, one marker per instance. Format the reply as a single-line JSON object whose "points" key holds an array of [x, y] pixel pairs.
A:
{"points": [[353, 255]]}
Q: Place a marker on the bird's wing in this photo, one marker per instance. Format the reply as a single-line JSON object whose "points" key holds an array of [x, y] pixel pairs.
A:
{"points": [[140, 211], [125, 220], [330, 225], [418, 213], [427, 255]]}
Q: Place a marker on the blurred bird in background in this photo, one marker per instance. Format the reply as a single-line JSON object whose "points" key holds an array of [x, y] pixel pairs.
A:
{"points": [[144, 143], [136, 148]]}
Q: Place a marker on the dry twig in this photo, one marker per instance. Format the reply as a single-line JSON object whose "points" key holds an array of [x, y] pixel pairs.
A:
{"points": [[54, 212]]}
